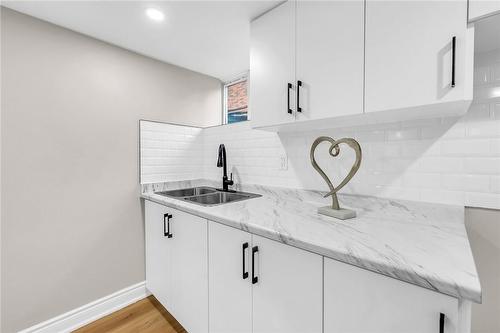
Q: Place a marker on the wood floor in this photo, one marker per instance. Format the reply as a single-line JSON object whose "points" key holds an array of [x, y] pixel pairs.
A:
{"points": [[145, 316]]}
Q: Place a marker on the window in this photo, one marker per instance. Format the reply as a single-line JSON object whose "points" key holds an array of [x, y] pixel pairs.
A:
{"points": [[236, 101]]}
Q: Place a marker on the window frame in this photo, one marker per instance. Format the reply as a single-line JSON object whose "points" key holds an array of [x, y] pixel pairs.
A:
{"points": [[238, 79]]}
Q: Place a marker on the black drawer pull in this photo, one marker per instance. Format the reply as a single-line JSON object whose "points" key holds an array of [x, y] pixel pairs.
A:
{"points": [[165, 232], [255, 279], [166, 225], [441, 322], [288, 98], [299, 84], [453, 49], [245, 272]]}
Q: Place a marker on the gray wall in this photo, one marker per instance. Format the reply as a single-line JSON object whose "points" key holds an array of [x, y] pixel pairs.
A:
{"points": [[483, 228], [72, 227]]}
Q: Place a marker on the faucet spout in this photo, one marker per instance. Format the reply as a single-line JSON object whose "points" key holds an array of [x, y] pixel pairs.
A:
{"points": [[221, 163]]}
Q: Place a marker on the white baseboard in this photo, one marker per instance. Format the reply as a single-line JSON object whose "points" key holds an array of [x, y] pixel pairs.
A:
{"points": [[92, 311]]}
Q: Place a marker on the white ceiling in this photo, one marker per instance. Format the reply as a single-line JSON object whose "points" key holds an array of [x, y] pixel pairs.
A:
{"points": [[210, 37], [487, 34]]}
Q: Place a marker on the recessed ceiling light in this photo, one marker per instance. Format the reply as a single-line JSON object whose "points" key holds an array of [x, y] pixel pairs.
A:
{"points": [[155, 14]]}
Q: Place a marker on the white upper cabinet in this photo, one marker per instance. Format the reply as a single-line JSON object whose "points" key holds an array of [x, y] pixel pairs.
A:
{"points": [[479, 9], [359, 301], [330, 43], [321, 64], [272, 63], [410, 47]]}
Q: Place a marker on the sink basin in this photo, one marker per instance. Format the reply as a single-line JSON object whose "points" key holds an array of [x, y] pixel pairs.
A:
{"points": [[188, 192], [207, 196], [220, 198]]}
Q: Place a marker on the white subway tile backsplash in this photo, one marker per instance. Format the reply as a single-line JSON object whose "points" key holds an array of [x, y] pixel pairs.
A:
{"points": [[449, 129], [481, 75], [495, 184], [443, 196], [496, 110], [484, 129], [466, 183], [170, 152], [470, 147], [487, 165], [440, 164], [495, 73], [444, 160], [495, 147], [422, 180]]}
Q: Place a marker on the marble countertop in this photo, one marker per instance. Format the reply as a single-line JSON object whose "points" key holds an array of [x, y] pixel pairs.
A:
{"points": [[419, 243]]}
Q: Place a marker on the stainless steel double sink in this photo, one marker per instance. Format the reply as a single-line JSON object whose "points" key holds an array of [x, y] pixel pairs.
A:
{"points": [[207, 196]]}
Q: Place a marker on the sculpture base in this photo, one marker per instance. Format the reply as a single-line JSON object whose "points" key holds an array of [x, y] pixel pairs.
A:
{"points": [[341, 214]]}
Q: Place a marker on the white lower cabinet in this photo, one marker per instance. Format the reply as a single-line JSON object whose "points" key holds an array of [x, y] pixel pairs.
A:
{"points": [[359, 301], [230, 290], [259, 285], [176, 264], [218, 279], [189, 296], [288, 294], [158, 252]]}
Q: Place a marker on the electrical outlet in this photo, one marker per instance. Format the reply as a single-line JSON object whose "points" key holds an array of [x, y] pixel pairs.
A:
{"points": [[283, 162]]}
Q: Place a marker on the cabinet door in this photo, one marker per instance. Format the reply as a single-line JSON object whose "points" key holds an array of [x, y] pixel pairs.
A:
{"points": [[189, 267], [359, 301], [479, 9], [288, 294], [230, 290], [330, 46], [409, 54], [272, 63], [158, 251]]}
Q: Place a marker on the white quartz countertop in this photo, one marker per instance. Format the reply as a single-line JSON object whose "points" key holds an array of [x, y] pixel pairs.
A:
{"points": [[419, 243]]}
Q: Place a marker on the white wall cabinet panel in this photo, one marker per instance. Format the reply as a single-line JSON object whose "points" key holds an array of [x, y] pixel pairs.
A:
{"points": [[288, 295], [409, 54], [359, 301], [272, 63], [230, 293], [479, 9], [189, 258], [330, 46], [158, 253]]}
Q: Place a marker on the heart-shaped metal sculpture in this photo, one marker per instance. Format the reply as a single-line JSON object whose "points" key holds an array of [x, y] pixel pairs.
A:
{"points": [[334, 151]]}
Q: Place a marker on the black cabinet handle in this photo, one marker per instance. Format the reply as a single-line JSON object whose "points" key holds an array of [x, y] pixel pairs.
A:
{"points": [[255, 279], [453, 47], [441, 322], [299, 84], [288, 98], [245, 272], [166, 225], [165, 232]]}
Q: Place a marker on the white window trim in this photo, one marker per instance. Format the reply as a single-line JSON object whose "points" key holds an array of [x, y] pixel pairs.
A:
{"points": [[239, 78]]}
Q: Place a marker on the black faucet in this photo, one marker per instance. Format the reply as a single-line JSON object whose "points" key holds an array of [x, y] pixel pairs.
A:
{"points": [[221, 163]]}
